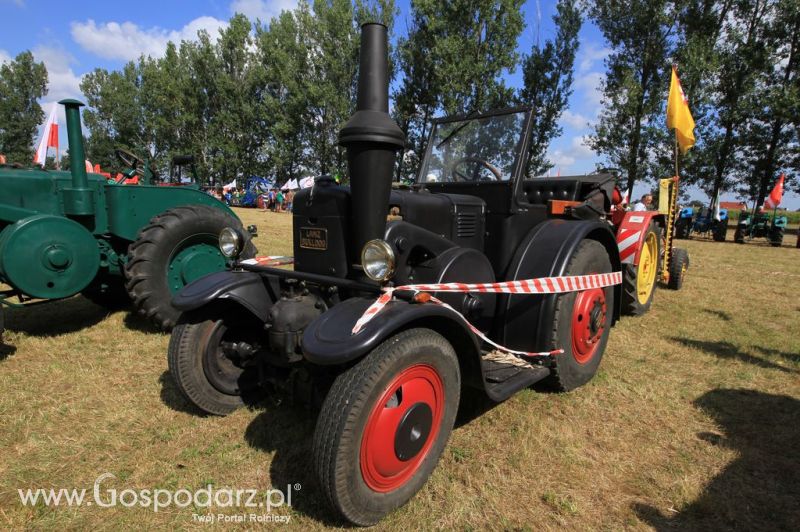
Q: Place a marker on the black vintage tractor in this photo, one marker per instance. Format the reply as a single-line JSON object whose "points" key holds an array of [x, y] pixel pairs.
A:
{"points": [[389, 393], [760, 225]]}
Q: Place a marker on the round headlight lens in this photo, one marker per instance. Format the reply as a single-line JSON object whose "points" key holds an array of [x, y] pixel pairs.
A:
{"points": [[230, 242], [377, 259]]}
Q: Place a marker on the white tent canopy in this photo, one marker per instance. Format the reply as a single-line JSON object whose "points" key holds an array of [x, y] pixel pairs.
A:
{"points": [[290, 185]]}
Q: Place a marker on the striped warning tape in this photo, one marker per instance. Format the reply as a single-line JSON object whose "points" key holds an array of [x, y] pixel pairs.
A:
{"points": [[277, 260], [542, 285]]}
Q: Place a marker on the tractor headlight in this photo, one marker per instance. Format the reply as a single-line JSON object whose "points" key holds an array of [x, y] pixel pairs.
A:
{"points": [[377, 259], [230, 242]]}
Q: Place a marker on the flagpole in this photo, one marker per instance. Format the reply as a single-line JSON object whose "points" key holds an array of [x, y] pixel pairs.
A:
{"points": [[676, 153]]}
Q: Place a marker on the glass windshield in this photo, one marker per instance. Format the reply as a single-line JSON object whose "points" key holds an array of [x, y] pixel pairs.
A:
{"points": [[477, 149]]}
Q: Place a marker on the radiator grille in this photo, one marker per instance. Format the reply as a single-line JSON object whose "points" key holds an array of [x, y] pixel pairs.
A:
{"points": [[466, 224]]}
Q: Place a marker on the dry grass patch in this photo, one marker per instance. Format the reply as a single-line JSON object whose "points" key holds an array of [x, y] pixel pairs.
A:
{"points": [[691, 421]]}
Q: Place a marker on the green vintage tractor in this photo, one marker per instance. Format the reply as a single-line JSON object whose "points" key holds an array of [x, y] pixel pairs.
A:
{"points": [[760, 225], [67, 233]]}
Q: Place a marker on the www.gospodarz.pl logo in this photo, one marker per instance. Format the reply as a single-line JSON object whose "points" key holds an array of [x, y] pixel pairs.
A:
{"points": [[157, 499]]}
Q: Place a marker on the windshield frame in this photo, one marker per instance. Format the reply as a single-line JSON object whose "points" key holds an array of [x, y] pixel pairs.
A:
{"points": [[520, 148]]}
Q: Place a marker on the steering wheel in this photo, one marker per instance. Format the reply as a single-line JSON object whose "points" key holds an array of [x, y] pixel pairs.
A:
{"points": [[463, 176], [130, 160]]}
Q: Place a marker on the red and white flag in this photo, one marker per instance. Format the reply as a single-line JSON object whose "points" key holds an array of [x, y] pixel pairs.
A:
{"points": [[626, 198], [774, 199], [49, 137]]}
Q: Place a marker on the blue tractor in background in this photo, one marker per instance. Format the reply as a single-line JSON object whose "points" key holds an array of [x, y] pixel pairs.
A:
{"points": [[703, 223]]}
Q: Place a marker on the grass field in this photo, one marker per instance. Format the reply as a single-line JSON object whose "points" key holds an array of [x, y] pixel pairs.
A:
{"points": [[693, 420]]}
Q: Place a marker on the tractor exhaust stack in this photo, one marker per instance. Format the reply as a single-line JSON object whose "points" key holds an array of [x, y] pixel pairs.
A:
{"points": [[78, 200], [372, 140]]}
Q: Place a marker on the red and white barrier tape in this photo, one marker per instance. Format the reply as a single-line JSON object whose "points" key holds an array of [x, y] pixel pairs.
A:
{"points": [[542, 285], [277, 260]]}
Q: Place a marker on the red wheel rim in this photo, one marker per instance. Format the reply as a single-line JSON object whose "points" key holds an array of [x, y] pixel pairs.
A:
{"points": [[401, 428], [588, 323]]}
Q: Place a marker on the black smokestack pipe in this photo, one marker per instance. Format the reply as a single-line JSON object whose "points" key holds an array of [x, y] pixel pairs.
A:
{"points": [[372, 140]]}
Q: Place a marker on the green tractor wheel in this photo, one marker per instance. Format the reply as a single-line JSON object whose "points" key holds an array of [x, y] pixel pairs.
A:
{"points": [[177, 247]]}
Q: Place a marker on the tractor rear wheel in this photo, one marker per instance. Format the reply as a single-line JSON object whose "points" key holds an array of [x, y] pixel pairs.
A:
{"points": [[582, 321], [639, 281], [176, 248], [208, 360], [720, 231], [678, 264], [776, 238], [384, 425]]}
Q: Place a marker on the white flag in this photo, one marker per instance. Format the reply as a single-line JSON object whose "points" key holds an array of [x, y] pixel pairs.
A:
{"points": [[49, 137]]}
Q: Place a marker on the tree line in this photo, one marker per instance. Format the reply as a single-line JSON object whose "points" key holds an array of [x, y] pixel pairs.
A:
{"points": [[268, 98]]}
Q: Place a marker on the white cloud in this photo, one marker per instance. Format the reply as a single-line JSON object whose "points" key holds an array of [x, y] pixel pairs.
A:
{"points": [[127, 41], [590, 85], [576, 157], [62, 82], [576, 120], [590, 53], [263, 10]]}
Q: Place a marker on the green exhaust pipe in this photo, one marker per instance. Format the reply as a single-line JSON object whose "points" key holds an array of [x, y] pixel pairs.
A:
{"points": [[78, 199]]}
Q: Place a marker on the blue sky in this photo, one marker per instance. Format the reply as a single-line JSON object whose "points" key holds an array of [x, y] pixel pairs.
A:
{"points": [[72, 38]]}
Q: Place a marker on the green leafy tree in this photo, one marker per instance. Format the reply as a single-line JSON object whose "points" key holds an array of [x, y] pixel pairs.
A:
{"points": [[631, 130], [23, 82], [547, 76], [721, 53], [452, 62], [771, 136]]}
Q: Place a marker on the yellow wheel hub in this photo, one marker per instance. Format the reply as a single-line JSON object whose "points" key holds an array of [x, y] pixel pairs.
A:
{"points": [[646, 273]]}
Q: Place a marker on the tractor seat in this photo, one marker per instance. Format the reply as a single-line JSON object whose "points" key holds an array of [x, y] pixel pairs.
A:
{"points": [[540, 190]]}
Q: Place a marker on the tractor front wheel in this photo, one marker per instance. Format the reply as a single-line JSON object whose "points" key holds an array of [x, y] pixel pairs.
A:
{"points": [[639, 281], [678, 264], [211, 361], [176, 248], [582, 321], [385, 423]]}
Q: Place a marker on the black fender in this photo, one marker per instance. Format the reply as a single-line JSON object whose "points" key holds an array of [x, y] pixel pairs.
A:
{"points": [[328, 339], [545, 252], [254, 292]]}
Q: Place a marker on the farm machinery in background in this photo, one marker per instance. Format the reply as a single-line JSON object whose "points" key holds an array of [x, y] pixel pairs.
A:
{"points": [[761, 225], [645, 240], [64, 233], [703, 222], [474, 277]]}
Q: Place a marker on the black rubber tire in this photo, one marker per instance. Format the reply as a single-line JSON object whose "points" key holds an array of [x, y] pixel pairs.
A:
{"points": [[150, 254], [631, 306], [678, 264], [776, 238], [566, 373], [738, 236], [682, 228], [720, 231], [342, 420], [194, 334]]}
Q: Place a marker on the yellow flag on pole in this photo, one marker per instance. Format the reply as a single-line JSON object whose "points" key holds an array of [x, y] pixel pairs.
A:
{"points": [[678, 114]]}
